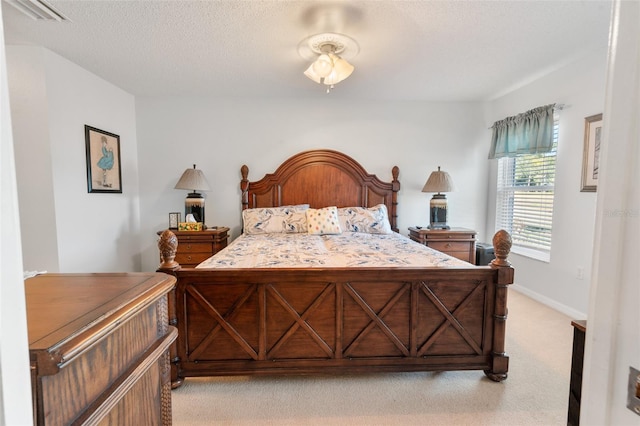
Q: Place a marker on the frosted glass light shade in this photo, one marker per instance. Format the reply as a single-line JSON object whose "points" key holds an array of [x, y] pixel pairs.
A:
{"points": [[310, 73], [323, 65], [340, 70]]}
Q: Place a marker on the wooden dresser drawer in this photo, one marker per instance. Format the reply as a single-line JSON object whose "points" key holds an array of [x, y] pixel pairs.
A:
{"points": [[192, 259], [193, 247], [457, 236], [449, 246], [195, 236]]}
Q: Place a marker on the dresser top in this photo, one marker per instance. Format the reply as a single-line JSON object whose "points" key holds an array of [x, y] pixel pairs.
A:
{"points": [[68, 310]]}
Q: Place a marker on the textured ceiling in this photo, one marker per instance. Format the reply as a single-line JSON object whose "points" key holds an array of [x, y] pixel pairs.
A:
{"points": [[409, 50]]}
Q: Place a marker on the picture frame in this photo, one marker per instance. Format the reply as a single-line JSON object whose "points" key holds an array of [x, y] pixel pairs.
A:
{"points": [[104, 172], [591, 153], [174, 220]]}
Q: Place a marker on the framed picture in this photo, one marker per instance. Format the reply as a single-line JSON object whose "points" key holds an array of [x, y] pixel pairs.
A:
{"points": [[591, 154], [174, 220], [103, 161]]}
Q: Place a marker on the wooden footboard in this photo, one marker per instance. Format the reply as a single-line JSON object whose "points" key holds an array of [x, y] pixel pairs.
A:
{"points": [[340, 320]]}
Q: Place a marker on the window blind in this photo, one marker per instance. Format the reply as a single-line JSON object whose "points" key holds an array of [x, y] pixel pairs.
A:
{"points": [[525, 194]]}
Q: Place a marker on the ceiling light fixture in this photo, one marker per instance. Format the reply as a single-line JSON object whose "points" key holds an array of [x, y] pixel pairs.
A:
{"points": [[328, 52]]}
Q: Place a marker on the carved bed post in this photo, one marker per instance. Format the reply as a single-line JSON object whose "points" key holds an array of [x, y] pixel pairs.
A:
{"points": [[168, 246], [244, 186], [500, 360], [394, 198]]}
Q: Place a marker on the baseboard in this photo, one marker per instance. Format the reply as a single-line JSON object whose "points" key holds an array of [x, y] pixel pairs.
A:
{"points": [[568, 311]]}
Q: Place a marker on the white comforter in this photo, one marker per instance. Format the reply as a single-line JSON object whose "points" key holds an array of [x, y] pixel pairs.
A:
{"points": [[349, 249]]}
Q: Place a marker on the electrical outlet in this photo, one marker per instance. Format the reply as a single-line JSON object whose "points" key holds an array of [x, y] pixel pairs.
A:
{"points": [[580, 273], [633, 397]]}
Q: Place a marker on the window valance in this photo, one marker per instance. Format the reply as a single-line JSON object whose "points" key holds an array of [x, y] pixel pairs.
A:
{"points": [[528, 133]]}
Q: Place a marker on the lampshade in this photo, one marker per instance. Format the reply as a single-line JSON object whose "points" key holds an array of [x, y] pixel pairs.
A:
{"points": [[439, 181], [194, 180], [328, 67]]}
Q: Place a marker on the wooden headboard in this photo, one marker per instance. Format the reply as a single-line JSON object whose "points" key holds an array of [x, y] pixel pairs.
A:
{"points": [[321, 178]]}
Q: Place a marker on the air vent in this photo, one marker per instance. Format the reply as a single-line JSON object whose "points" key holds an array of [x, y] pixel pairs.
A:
{"points": [[38, 10]]}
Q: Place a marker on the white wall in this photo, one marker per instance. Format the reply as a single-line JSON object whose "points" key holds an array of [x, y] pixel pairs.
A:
{"points": [[580, 87], [15, 383], [65, 228], [220, 135], [30, 114]]}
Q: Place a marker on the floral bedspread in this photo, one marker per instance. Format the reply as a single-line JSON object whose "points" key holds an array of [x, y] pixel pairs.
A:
{"points": [[349, 249]]}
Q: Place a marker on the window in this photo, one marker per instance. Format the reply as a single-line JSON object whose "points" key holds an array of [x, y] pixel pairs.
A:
{"points": [[524, 201]]}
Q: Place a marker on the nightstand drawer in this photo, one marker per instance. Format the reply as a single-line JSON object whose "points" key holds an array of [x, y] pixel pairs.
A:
{"points": [[443, 235], [192, 258], [196, 236], [450, 246], [193, 247]]}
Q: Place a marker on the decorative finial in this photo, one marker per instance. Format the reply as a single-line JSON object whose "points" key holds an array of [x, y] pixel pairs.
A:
{"points": [[168, 246], [501, 247]]}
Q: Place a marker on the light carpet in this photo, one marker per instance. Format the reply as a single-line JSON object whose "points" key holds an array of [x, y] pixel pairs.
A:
{"points": [[539, 344]]}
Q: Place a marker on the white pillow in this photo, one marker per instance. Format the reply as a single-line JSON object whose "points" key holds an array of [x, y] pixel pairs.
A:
{"points": [[372, 220], [275, 220], [323, 221]]}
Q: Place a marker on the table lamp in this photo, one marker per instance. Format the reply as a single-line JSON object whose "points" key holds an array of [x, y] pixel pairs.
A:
{"points": [[438, 182], [194, 180]]}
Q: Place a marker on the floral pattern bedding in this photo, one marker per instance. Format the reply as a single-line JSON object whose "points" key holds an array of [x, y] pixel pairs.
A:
{"points": [[349, 249]]}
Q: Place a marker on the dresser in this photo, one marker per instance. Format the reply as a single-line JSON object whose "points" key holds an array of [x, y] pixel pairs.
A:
{"points": [[197, 246], [99, 348], [575, 383], [456, 242]]}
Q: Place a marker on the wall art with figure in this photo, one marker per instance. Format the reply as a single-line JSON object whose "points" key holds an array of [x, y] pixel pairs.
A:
{"points": [[103, 160]]}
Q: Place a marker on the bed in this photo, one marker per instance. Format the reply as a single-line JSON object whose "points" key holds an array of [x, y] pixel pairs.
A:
{"points": [[336, 318]]}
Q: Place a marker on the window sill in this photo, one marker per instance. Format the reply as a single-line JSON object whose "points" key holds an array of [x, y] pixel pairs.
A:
{"points": [[542, 256]]}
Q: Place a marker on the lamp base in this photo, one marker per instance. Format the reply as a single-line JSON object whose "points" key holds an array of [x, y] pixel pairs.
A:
{"points": [[194, 204], [438, 226], [438, 212]]}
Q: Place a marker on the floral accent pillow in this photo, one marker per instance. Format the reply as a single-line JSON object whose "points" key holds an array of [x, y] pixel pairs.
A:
{"points": [[323, 221], [275, 220], [372, 220]]}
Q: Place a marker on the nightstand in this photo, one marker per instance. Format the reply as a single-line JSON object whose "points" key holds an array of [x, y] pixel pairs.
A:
{"points": [[456, 242], [197, 246]]}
